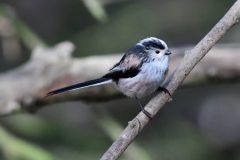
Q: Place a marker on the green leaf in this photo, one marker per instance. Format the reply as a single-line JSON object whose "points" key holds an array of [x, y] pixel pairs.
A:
{"points": [[96, 9]]}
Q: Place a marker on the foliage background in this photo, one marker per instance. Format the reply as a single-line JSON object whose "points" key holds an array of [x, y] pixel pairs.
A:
{"points": [[202, 122]]}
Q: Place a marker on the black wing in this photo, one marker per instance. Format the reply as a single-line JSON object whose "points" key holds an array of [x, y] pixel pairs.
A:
{"points": [[116, 74], [132, 58]]}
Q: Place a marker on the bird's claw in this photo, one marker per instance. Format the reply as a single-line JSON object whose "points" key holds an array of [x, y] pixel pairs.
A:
{"points": [[164, 90]]}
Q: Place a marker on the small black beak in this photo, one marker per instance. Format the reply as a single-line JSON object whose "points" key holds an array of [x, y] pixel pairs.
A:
{"points": [[168, 52]]}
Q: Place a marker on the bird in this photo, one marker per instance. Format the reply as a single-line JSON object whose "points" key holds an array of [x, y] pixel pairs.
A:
{"points": [[139, 73]]}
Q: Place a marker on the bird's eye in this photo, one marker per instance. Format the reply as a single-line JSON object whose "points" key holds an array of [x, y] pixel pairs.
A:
{"points": [[157, 51], [147, 48]]}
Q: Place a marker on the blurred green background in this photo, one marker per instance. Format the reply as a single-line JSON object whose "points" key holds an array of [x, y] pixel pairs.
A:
{"points": [[201, 123]]}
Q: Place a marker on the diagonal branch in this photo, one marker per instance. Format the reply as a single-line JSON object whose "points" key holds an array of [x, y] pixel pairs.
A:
{"points": [[191, 58]]}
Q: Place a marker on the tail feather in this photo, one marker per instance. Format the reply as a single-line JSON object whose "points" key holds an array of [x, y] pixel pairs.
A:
{"points": [[90, 83]]}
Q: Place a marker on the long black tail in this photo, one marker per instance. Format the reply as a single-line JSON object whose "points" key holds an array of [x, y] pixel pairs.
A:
{"points": [[94, 82]]}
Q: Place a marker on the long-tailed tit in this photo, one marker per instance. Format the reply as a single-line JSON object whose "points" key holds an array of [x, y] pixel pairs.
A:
{"points": [[139, 73]]}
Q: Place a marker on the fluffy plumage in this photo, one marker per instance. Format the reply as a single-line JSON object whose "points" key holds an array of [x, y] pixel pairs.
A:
{"points": [[139, 73]]}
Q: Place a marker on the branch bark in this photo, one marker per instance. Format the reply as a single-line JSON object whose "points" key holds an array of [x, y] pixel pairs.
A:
{"points": [[191, 58]]}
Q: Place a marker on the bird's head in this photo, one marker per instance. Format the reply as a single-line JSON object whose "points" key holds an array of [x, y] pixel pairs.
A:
{"points": [[154, 47]]}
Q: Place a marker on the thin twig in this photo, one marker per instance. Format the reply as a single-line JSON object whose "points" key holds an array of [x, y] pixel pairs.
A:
{"points": [[189, 61]]}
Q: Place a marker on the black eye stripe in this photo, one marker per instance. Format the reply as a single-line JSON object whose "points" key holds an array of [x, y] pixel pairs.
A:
{"points": [[154, 44]]}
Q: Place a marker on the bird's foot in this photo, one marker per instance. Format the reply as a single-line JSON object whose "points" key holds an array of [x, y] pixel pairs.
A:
{"points": [[162, 89], [143, 110], [147, 114]]}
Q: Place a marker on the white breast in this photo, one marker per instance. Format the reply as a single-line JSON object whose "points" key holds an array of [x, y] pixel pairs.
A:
{"points": [[147, 81]]}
